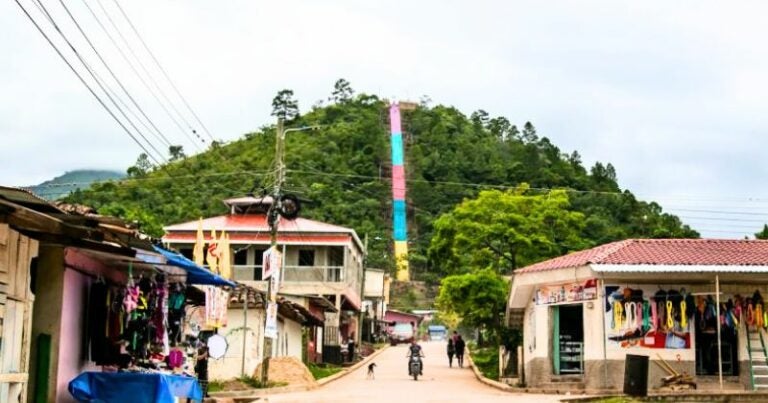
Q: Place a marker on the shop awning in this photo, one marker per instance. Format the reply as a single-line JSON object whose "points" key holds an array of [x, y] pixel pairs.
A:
{"points": [[195, 273]]}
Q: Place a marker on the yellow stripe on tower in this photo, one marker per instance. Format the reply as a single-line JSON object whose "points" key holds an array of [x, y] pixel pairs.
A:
{"points": [[401, 260]]}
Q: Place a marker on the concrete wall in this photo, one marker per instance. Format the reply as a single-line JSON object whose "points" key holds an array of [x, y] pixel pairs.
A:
{"points": [[288, 343], [71, 361], [230, 366], [47, 313]]}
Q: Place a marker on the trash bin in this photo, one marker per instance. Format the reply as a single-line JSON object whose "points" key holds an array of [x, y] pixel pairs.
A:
{"points": [[636, 375]]}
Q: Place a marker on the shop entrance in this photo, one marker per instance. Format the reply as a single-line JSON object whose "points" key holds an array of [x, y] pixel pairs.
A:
{"points": [[568, 339], [706, 345]]}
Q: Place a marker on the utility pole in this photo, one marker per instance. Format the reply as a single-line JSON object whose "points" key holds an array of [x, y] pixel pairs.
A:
{"points": [[273, 216]]}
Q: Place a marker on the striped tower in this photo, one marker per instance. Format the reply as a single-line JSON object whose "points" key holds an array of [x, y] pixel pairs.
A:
{"points": [[399, 226]]}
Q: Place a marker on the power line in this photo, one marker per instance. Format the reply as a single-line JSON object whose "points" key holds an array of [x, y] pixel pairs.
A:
{"points": [[104, 87], [82, 80], [157, 133], [167, 77], [718, 212], [133, 68]]}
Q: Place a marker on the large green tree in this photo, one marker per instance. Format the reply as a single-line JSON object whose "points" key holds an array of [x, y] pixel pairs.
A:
{"points": [[477, 298], [504, 230]]}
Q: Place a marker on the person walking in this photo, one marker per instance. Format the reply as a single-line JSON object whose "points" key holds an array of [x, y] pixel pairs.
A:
{"points": [[451, 352], [460, 345]]}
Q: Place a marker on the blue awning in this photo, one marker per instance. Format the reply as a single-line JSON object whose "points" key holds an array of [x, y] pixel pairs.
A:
{"points": [[195, 273]]}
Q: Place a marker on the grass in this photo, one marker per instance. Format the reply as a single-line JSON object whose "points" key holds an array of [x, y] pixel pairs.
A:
{"points": [[242, 383], [487, 361], [320, 371]]}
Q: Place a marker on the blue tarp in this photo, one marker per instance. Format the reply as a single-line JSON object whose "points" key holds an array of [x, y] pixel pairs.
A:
{"points": [[126, 387], [195, 273]]}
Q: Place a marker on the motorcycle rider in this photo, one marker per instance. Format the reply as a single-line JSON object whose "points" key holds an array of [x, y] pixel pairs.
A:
{"points": [[415, 350]]}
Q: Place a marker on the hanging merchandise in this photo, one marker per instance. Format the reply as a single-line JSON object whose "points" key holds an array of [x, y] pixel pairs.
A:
{"points": [[670, 318], [683, 314], [617, 315], [216, 301], [654, 315]]}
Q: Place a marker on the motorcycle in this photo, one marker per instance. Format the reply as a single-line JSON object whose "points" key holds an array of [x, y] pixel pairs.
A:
{"points": [[414, 367]]}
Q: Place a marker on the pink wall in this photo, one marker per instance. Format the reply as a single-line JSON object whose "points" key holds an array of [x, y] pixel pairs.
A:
{"points": [[73, 327]]}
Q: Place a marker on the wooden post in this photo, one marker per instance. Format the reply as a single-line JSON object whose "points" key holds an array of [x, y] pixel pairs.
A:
{"points": [[719, 342]]}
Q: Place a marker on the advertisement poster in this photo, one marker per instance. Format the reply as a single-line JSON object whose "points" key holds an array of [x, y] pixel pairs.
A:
{"points": [[563, 293], [270, 326], [271, 261], [649, 317], [275, 280]]}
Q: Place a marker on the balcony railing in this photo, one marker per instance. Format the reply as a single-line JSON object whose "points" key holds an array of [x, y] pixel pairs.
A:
{"points": [[321, 274]]}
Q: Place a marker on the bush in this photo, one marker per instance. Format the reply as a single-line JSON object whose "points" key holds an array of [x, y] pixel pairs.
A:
{"points": [[487, 361]]}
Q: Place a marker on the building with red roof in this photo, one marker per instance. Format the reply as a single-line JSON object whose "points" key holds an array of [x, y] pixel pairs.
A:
{"points": [[583, 313], [319, 260]]}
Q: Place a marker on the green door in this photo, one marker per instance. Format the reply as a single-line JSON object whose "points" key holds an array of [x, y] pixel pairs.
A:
{"points": [[556, 340]]}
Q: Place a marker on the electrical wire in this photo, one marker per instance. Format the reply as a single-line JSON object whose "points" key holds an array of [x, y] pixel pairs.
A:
{"points": [[135, 70], [167, 77], [96, 77], [82, 80], [157, 133], [149, 75]]}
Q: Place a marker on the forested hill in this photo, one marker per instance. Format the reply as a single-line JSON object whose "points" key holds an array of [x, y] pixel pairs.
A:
{"points": [[343, 169]]}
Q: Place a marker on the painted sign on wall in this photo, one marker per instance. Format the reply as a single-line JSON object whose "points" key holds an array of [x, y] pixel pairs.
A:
{"points": [[648, 316], [563, 293]]}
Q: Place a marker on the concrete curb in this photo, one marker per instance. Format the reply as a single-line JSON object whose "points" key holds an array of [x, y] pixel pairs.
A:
{"points": [[256, 393], [490, 382], [324, 381]]}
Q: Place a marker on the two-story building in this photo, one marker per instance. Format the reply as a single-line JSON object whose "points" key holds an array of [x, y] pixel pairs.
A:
{"points": [[320, 260]]}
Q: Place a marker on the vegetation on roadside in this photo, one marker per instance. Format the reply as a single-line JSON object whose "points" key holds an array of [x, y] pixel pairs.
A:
{"points": [[486, 359], [241, 383], [320, 371]]}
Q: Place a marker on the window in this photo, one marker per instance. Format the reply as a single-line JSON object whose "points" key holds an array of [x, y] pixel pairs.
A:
{"points": [[259, 253], [336, 256], [241, 255], [186, 252], [307, 257]]}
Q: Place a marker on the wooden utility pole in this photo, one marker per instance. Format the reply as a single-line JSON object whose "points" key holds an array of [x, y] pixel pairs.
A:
{"points": [[273, 216]]}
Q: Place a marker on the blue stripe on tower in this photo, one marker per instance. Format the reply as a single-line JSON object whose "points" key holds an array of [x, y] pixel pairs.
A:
{"points": [[397, 149], [399, 220]]}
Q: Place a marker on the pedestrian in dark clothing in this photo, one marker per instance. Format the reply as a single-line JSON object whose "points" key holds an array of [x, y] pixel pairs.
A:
{"points": [[451, 352], [351, 350], [455, 337], [201, 368], [460, 345]]}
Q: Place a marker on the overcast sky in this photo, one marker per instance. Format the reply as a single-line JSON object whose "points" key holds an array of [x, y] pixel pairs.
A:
{"points": [[674, 95]]}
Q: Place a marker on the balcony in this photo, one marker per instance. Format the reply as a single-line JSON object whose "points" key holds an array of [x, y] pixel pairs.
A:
{"points": [[299, 274]]}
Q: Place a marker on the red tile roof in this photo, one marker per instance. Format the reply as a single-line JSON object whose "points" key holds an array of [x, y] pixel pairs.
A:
{"points": [[257, 223], [685, 252]]}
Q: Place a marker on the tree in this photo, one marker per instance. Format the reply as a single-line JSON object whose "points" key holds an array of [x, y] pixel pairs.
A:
{"points": [[505, 230], [479, 299], [141, 167], [762, 234], [342, 91], [176, 152], [284, 106], [529, 133]]}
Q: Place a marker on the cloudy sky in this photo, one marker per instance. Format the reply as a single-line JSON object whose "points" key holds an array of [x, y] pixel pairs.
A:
{"points": [[674, 95]]}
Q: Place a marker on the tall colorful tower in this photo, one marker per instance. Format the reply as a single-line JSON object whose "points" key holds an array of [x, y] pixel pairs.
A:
{"points": [[400, 225]]}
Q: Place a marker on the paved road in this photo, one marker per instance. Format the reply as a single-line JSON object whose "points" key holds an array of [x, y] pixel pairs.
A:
{"points": [[392, 384]]}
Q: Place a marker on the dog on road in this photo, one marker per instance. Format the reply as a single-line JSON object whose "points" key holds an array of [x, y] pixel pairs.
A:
{"points": [[371, 375]]}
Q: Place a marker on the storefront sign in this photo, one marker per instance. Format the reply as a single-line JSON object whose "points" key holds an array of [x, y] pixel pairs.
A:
{"points": [[271, 261], [563, 293], [648, 317], [270, 326]]}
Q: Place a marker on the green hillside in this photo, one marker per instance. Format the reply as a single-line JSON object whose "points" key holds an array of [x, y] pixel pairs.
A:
{"points": [[63, 185], [344, 166]]}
